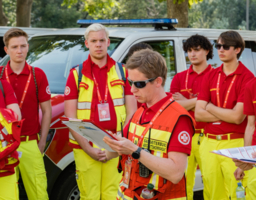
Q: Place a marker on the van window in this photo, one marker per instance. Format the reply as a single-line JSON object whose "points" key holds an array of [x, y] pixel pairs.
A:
{"points": [[248, 57], [56, 54], [2, 52], [166, 49]]}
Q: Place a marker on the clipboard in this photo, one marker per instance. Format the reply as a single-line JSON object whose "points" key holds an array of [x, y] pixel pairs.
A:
{"points": [[89, 130]]}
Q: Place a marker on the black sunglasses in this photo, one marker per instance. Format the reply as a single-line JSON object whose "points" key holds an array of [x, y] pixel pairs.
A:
{"points": [[225, 46], [140, 84]]}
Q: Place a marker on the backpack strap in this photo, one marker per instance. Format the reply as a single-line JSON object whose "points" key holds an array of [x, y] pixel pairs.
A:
{"points": [[34, 75], [2, 89], [2, 72], [78, 69], [120, 71]]}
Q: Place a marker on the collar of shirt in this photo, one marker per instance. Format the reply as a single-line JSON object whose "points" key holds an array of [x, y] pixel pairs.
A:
{"points": [[88, 64], [157, 105], [202, 73], [239, 70], [25, 70]]}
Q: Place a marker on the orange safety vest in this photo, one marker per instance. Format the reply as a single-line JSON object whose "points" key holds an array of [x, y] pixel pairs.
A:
{"points": [[161, 132]]}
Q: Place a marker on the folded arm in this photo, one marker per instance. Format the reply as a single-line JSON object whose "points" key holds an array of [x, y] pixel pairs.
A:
{"points": [[202, 115]]}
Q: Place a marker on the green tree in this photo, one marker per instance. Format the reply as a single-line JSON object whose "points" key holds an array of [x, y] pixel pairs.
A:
{"points": [[50, 14]]}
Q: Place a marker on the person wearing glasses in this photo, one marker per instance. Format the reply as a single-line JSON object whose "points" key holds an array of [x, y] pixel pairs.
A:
{"points": [[185, 88], [220, 104], [249, 138], [157, 140], [102, 96]]}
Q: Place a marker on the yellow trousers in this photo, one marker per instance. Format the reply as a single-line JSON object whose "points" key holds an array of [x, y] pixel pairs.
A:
{"points": [[96, 180], [32, 171], [218, 171], [251, 184], [193, 160], [8, 188]]}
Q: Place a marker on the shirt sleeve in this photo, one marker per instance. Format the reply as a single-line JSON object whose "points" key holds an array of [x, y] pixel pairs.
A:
{"points": [[244, 82], [182, 136], [248, 100], [127, 89], [71, 91], [44, 93], [175, 84], [10, 97], [204, 93]]}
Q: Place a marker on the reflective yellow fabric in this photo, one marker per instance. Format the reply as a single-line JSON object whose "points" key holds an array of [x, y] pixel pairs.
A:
{"points": [[96, 180], [218, 171], [32, 170], [8, 188]]}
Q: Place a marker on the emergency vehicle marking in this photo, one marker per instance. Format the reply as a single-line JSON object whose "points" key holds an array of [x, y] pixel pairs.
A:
{"points": [[67, 90], [184, 138], [48, 91]]}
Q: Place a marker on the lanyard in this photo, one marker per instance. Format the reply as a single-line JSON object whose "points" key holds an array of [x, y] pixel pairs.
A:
{"points": [[98, 90], [150, 124], [228, 92], [26, 87]]}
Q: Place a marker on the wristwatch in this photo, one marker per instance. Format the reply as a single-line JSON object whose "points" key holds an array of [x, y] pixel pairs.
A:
{"points": [[136, 154]]}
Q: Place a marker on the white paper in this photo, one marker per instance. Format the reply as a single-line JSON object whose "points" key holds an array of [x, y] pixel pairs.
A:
{"points": [[242, 153], [90, 132]]}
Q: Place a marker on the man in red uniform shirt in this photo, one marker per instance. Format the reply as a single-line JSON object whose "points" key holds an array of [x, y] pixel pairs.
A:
{"points": [[31, 88], [185, 88], [220, 104], [102, 96], [250, 136], [161, 121]]}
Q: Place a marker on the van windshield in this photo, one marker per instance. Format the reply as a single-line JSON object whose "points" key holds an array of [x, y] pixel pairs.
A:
{"points": [[57, 54]]}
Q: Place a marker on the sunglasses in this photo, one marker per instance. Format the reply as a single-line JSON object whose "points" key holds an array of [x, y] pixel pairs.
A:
{"points": [[225, 46], [140, 84]]}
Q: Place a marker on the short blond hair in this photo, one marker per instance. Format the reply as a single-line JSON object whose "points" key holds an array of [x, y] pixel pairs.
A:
{"points": [[13, 32], [95, 27], [148, 62]]}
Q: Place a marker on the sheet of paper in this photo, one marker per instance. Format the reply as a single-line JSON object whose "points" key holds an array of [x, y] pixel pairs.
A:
{"points": [[241, 153], [89, 131]]}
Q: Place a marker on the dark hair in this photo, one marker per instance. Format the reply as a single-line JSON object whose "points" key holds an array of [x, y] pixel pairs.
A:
{"points": [[137, 47], [13, 32], [232, 38], [150, 63], [195, 41]]}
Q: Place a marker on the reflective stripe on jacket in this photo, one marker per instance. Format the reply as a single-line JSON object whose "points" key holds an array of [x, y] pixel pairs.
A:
{"points": [[160, 136]]}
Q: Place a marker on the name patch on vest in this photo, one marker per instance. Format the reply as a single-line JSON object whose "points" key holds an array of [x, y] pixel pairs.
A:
{"points": [[155, 145]]}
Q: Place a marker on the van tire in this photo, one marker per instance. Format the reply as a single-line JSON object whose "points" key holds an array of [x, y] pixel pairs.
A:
{"points": [[66, 186]]}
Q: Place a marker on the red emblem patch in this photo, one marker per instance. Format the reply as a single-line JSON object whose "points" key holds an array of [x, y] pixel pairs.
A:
{"points": [[184, 138], [67, 90]]}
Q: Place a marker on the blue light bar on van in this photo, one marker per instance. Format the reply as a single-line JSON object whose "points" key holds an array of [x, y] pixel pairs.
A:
{"points": [[128, 21]]}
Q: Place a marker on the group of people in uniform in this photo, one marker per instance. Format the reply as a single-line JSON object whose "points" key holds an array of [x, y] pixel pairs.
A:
{"points": [[161, 137]]}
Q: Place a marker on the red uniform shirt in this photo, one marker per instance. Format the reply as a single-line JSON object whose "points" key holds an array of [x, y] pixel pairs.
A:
{"points": [[250, 102], [184, 124], [208, 93], [9, 95], [194, 82], [29, 110], [100, 75]]}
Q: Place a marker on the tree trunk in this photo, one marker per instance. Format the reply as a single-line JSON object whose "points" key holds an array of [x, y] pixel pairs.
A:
{"points": [[179, 11], [3, 18], [23, 12]]}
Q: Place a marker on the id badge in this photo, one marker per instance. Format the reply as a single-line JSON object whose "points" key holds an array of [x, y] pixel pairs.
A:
{"points": [[127, 173], [104, 114]]}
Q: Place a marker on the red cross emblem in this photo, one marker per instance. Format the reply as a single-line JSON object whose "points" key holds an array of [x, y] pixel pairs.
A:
{"points": [[67, 90], [184, 138], [48, 91]]}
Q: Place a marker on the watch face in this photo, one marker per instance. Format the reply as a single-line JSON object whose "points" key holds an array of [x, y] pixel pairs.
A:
{"points": [[135, 155]]}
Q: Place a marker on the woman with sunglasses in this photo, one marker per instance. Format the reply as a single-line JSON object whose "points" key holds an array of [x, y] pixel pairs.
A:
{"points": [[220, 104], [157, 140]]}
